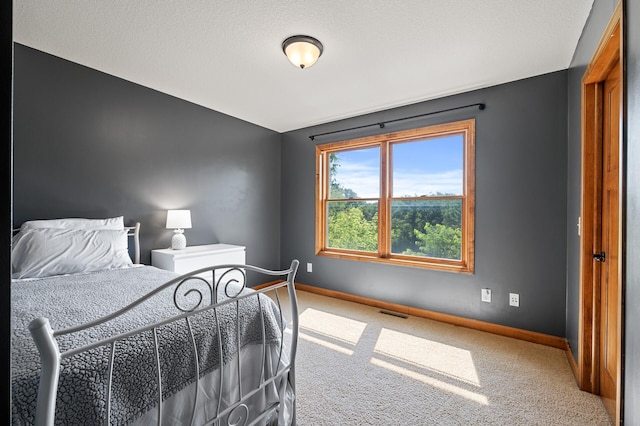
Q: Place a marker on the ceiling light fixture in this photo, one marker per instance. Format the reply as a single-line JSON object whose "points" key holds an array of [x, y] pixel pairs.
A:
{"points": [[302, 51]]}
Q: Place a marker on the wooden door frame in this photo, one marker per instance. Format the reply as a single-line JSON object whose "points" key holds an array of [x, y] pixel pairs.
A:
{"points": [[609, 52]]}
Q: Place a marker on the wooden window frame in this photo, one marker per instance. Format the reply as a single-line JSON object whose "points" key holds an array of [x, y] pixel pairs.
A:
{"points": [[384, 141]]}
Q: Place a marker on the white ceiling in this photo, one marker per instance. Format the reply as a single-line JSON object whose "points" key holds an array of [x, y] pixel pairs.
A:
{"points": [[226, 54]]}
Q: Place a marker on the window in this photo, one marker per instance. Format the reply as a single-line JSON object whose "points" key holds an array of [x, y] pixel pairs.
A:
{"points": [[405, 198]]}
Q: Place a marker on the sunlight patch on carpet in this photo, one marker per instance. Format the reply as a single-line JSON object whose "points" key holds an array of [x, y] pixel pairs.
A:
{"points": [[447, 387], [335, 326], [427, 354], [325, 343]]}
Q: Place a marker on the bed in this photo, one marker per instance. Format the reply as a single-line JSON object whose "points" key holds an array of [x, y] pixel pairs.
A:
{"points": [[98, 338]]}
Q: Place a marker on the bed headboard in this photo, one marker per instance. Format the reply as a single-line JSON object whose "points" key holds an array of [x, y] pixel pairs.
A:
{"points": [[134, 232]]}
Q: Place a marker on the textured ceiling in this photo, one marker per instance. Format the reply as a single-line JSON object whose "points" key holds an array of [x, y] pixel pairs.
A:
{"points": [[226, 54]]}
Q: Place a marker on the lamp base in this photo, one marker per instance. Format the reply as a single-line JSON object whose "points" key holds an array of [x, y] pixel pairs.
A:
{"points": [[178, 241]]}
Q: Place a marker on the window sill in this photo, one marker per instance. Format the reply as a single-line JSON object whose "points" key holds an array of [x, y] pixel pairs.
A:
{"points": [[449, 266]]}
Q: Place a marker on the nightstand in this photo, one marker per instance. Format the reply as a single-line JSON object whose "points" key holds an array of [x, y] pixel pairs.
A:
{"points": [[196, 257]]}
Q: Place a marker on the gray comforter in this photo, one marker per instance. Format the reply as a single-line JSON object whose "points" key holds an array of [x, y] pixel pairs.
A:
{"points": [[72, 300]]}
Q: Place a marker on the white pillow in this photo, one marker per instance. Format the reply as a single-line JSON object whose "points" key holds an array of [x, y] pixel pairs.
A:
{"points": [[38, 253], [75, 223]]}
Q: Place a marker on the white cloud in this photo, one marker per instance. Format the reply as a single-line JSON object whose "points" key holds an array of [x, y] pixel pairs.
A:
{"points": [[412, 184], [364, 180]]}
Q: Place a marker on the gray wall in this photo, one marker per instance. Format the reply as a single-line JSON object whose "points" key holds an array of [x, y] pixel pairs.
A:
{"points": [[632, 242], [521, 157], [93, 145]]}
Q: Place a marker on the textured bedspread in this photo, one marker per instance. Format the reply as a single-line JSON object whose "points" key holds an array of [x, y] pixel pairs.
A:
{"points": [[72, 300]]}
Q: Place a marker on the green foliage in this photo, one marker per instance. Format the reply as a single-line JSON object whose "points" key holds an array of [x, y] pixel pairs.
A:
{"points": [[339, 192], [438, 241], [409, 216], [350, 229]]}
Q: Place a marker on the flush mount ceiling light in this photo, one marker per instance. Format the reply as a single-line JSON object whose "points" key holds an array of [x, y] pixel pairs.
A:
{"points": [[302, 51]]}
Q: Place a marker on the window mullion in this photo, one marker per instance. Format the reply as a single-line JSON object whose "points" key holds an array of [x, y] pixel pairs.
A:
{"points": [[384, 225]]}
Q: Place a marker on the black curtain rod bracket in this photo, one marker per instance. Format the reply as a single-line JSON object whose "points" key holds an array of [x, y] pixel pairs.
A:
{"points": [[382, 124]]}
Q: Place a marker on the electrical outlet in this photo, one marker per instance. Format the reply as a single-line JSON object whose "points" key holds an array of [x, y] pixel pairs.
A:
{"points": [[514, 299], [309, 267], [486, 295]]}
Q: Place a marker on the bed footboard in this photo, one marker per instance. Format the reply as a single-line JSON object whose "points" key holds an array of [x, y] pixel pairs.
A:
{"points": [[228, 352]]}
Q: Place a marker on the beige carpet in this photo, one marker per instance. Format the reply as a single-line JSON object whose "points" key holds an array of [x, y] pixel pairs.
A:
{"points": [[356, 366]]}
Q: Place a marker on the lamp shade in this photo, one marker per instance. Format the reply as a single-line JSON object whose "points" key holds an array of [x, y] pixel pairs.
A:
{"points": [[302, 51], [178, 219]]}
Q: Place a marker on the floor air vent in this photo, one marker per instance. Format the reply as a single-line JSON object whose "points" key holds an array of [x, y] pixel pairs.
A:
{"points": [[394, 314]]}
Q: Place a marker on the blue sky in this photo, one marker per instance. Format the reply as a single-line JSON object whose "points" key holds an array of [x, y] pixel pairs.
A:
{"points": [[424, 167]]}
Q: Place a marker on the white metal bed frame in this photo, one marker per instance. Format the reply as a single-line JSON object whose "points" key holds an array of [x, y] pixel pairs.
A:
{"points": [[236, 413], [134, 232]]}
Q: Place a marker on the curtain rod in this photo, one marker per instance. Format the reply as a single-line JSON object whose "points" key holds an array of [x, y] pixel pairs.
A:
{"points": [[480, 106]]}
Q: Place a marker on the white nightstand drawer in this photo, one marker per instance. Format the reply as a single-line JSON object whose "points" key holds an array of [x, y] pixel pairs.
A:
{"points": [[197, 257]]}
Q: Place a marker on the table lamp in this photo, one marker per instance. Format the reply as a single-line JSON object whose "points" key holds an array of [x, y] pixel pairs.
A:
{"points": [[178, 220]]}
